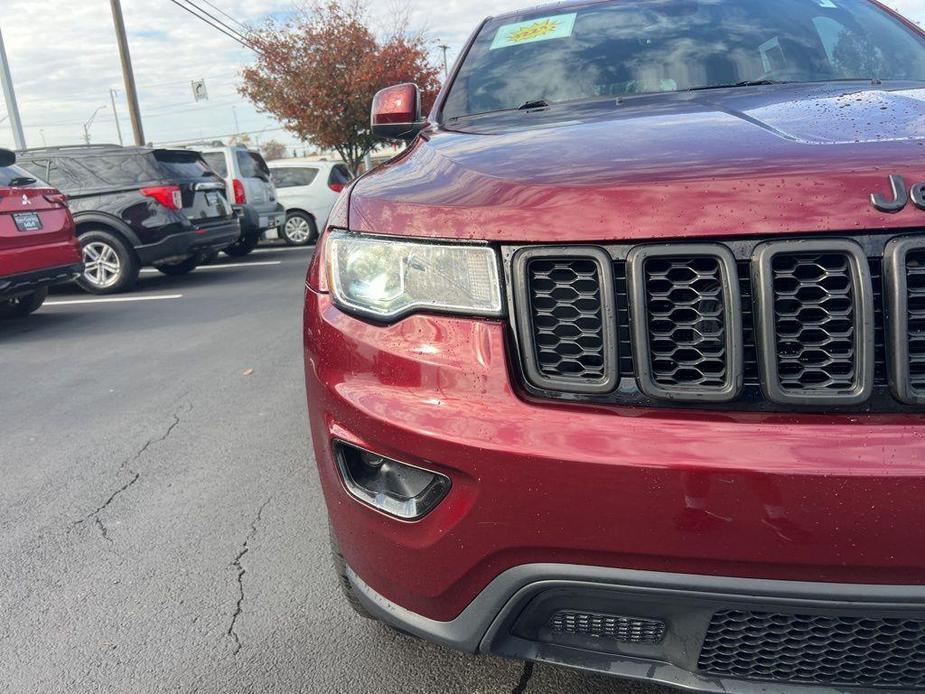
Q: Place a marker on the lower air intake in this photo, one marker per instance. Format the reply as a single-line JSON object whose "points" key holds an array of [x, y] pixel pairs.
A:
{"points": [[816, 649], [624, 629]]}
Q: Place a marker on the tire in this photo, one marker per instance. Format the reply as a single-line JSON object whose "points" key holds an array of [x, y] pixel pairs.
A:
{"points": [[184, 267], [340, 567], [299, 229], [110, 263], [243, 246], [22, 306]]}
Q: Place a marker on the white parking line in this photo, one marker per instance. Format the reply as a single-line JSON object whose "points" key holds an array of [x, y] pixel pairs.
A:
{"points": [[112, 300], [224, 266], [277, 249]]}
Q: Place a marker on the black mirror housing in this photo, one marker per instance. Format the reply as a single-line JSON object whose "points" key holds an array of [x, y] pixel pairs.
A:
{"points": [[7, 158]]}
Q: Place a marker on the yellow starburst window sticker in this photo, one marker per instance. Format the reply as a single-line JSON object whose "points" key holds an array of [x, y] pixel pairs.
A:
{"points": [[540, 29]]}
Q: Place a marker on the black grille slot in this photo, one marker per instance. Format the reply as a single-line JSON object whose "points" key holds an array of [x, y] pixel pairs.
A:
{"points": [[686, 322], [815, 649], [568, 328], [915, 315], [568, 319], [814, 321], [687, 334], [604, 626]]}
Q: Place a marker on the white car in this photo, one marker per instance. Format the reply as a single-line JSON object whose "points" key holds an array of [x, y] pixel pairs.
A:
{"points": [[308, 191]]}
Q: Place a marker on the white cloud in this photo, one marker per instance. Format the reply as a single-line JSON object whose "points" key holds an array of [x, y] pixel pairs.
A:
{"points": [[64, 61]]}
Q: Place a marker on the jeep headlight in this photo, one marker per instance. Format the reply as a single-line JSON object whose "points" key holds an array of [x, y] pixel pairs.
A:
{"points": [[385, 278]]}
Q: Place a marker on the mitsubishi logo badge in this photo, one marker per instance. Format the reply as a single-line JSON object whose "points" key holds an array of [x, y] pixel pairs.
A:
{"points": [[26, 200]]}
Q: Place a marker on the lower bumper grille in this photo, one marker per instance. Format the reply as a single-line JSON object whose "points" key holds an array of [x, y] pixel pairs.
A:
{"points": [[623, 629], [815, 649]]}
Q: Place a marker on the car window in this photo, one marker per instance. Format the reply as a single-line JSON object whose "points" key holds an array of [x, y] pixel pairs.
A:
{"points": [[292, 176], [216, 162], [182, 164], [340, 174], [252, 164], [109, 170], [73, 175], [37, 169], [618, 49], [8, 174]]}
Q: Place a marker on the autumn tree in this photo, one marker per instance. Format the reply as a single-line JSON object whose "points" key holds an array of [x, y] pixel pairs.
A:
{"points": [[318, 73]]}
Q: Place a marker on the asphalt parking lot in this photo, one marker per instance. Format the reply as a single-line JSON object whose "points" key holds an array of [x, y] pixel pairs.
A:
{"points": [[161, 523]]}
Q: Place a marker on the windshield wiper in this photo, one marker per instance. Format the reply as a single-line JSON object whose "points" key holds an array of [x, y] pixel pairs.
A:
{"points": [[746, 83], [530, 105], [21, 181]]}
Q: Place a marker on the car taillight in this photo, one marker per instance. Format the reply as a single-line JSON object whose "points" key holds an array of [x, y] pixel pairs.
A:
{"points": [[56, 199], [240, 197], [336, 187], [168, 196]]}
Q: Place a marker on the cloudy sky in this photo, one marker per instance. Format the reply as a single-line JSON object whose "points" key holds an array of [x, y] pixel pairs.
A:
{"points": [[64, 62]]}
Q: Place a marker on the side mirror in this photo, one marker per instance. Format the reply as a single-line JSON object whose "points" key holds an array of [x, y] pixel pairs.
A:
{"points": [[7, 158], [396, 113]]}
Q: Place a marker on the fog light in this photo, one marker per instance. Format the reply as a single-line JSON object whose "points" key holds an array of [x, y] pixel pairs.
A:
{"points": [[399, 489]]}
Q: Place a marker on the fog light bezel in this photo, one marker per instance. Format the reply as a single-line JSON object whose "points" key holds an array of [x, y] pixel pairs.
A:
{"points": [[401, 508]]}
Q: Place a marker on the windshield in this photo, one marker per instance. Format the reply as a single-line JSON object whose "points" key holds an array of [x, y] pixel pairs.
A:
{"points": [[646, 46]]}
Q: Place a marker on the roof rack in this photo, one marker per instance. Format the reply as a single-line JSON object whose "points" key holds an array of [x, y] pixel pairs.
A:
{"points": [[58, 148]]}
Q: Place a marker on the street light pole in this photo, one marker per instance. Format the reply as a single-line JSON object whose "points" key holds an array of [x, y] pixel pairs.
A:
{"points": [[446, 68], [115, 114], [89, 123], [12, 110], [127, 74]]}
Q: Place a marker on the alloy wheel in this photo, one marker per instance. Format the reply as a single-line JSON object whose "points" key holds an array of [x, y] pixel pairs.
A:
{"points": [[102, 267], [298, 229]]}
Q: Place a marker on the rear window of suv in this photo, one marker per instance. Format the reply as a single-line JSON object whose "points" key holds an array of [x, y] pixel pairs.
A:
{"points": [[8, 174], [216, 162], [617, 49], [252, 165], [182, 164]]}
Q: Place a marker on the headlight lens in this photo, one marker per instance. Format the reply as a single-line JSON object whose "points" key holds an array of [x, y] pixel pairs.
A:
{"points": [[386, 279]]}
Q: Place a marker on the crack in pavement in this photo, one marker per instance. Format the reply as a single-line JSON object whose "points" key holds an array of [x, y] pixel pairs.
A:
{"points": [[239, 606], [135, 476], [525, 677]]}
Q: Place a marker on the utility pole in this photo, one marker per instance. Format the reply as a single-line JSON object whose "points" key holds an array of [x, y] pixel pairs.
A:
{"points": [[115, 114], [6, 80], [128, 75], [237, 128], [446, 67]]}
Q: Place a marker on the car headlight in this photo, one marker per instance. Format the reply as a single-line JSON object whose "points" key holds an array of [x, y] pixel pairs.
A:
{"points": [[386, 279]]}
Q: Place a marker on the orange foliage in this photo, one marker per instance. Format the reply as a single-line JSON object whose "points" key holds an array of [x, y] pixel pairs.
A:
{"points": [[318, 73]]}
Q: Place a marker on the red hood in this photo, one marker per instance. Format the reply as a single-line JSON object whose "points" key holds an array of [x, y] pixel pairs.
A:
{"points": [[712, 163]]}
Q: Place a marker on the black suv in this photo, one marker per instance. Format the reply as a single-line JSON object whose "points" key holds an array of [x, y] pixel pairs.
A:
{"points": [[137, 206]]}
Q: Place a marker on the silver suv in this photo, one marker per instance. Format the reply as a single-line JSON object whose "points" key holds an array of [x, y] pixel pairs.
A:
{"points": [[250, 189]]}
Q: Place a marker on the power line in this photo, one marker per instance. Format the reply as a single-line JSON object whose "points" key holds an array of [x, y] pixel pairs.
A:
{"points": [[212, 17], [216, 24], [221, 11]]}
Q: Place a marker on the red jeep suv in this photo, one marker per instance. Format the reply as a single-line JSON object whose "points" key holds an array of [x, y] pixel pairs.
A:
{"points": [[38, 245], [621, 363]]}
